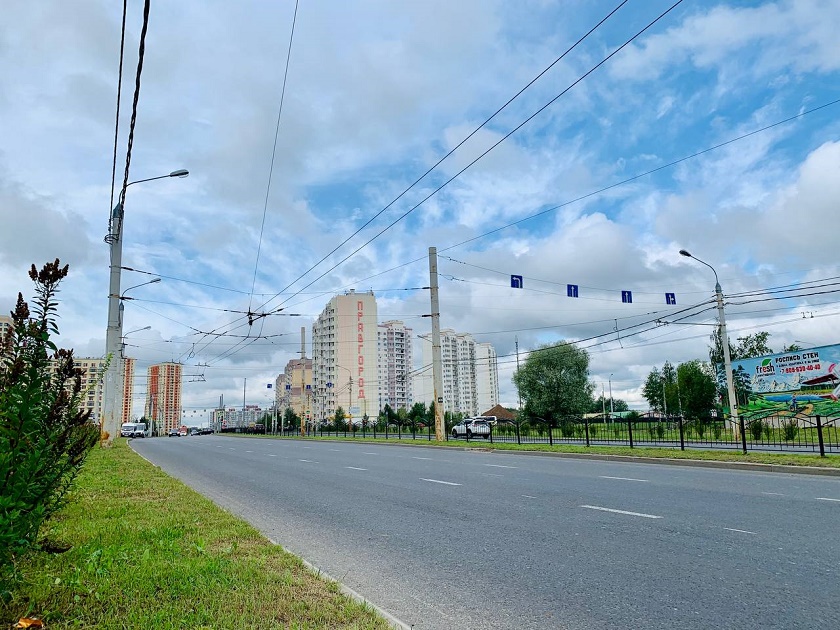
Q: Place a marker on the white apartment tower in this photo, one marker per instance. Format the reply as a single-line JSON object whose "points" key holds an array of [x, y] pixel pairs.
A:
{"points": [[486, 377], [163, 396], [395, 364], [344, 357], [462, 361]]}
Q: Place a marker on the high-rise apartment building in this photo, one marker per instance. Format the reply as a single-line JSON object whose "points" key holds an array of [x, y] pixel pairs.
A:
{"points": [[395, 365], [127, 389], [163, 396], [461, 361], [344, 357], [486, 377], [93, 371]]}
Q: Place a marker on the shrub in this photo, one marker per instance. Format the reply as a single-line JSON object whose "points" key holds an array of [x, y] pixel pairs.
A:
{"points": [[44, 438], [657, 431], [700, 426], [756, 429], [567, 427], [790, 429], [717, 429]]}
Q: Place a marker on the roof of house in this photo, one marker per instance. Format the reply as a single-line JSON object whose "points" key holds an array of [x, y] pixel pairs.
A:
{"points": [[500, 412]]}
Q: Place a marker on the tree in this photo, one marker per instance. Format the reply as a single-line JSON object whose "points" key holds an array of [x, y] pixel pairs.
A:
{"points": [[554, 382], [340, 419], [661, 389], [417, 414], [748, 347], [290, 418], [603, 402], [697, 389], [44, 437]]}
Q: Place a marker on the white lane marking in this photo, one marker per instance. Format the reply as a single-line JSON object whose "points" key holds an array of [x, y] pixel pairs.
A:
{"points": [[740, 531], [499, 466], [371, 453], [218, 446], [308, 461], [421, 458], [827, 499], [528, 496], [249, 451], [490, 475], [306, 447], [446, 483], [603, 509], [335, 450], [774, 494], [270, 455], [354, 468], [230, 448], [624, 478]]}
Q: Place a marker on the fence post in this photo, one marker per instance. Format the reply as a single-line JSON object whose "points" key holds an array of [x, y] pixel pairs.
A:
{"points": [[586, 429], [518, 437], [630, 431], [682, 432], [820, 437], [743, 434], [550, 436], [491, 432]]}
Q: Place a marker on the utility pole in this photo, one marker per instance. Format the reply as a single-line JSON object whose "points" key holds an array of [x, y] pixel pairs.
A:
{"points": [[518, 393], [437, 364]]}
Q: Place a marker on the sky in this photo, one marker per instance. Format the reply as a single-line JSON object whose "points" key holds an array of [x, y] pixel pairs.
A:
{"points": [[596, 175]]}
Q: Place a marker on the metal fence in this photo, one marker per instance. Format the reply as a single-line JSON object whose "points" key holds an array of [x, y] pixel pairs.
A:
{"points": [[759, 431]]}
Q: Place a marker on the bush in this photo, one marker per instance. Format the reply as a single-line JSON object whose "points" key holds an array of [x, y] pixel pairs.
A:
{"points": [[717, 429], [790, 429], [567, 427], [44, 438], [756, 429], [699, 426]]}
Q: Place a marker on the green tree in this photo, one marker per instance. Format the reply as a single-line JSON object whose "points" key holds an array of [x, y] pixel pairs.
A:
{"points": [[748, 347], [661, 389], [417, 414], [340, 419], [554, 382], [603, 402], [697, 389], [290, 418], [44, 438]]}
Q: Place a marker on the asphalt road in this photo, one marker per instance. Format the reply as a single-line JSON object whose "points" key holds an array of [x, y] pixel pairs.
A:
{"points": [[447, 538]]}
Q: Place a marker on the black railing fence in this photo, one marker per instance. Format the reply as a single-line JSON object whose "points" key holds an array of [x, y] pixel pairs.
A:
{"points": [[759, 431]]}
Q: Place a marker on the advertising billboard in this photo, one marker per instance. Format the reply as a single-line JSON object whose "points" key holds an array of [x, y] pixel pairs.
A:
{"points": [[806, 381]]}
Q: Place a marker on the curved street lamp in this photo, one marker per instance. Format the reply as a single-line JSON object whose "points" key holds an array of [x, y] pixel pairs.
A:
{"points": [[112, 390], [727, 359]]}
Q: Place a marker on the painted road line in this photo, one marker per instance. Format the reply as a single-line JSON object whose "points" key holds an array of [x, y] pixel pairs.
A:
{"points": [[371, 453], [603, 509], [827, 499], [354, 468], [773, 494], [528, 496], [421, 458], [740, 531], [446, 483], [308, 461], [500, 466], [272, 455], [490, 475], [624, 478], [249, 451], [335, 450]]}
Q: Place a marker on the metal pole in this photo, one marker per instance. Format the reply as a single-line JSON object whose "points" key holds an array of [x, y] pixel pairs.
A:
{"points": [[437, 365], [110, 388], [727, 360], [612, 411]]}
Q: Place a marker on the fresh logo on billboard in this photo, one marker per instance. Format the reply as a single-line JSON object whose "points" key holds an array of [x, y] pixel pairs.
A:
{"points": [[765, 368]]}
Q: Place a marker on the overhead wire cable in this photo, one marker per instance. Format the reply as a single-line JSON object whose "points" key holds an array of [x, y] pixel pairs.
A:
{"points": [[117, 117]]}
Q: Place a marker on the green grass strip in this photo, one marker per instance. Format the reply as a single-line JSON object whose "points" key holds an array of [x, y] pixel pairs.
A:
{"points": [[148, 552]]}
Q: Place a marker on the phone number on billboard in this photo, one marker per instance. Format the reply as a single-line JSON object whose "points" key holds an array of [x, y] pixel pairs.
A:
{"points": [[801, 368]]}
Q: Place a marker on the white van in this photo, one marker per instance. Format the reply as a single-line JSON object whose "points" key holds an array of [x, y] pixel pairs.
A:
{"points": [[133, 429]]}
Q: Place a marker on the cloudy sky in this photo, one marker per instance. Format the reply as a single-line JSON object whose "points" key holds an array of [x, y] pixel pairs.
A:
{"points": [[377, 93]]}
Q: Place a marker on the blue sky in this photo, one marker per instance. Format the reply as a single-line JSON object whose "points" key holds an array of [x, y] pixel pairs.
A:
{"points": [[377, 92]]}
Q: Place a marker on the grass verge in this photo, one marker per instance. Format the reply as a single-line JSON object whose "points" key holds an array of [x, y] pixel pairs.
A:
{"points": [[721, 455], [148, 552]]}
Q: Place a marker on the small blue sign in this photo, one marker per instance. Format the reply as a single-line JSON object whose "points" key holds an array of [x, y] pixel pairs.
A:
{"points": [[329, 384], [268, 385], [571, 290], [627, 297], [288, 387], [308, 387], [670, 298], [516, 282]]}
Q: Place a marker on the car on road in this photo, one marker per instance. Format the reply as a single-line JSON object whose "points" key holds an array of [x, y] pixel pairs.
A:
{"points": [[472, 427], [174, 433]]}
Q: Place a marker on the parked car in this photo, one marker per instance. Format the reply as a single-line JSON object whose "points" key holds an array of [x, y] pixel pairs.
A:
{"points": [[472, 427], [174, 433]]}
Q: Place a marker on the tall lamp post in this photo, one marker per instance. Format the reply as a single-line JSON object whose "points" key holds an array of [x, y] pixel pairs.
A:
{"points": [[727, 359], [111, 388]]}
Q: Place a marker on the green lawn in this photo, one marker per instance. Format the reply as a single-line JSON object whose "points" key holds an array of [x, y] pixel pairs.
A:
{"points": [[148, 552]]}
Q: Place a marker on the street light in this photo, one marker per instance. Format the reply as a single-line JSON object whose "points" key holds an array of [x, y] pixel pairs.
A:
{"points": [[112, 389], [727, 359]]}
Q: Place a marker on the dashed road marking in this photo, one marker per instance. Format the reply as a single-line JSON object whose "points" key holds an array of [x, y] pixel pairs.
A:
{"points": [[624, 478], [827, 499], [446, 483], [421, 458], [500, 466], [740, 531], [528, 496], [354, 468], [308, 461], [604, 509], [774, 494]]}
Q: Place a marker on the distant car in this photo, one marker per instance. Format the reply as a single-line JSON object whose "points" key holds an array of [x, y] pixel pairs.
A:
{"points": [[472, 427], [194, 431], [174, 433]]}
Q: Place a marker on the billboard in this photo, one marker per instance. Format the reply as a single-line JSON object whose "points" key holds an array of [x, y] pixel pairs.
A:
{"points": [[806, 381]]}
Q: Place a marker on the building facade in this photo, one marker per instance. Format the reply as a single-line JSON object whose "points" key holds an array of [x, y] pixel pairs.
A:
{"points": [[293, 388], [462, 362], [163, 396], [486, 377], [344, 358], [93, 372], [395, 365], [127, 389]]}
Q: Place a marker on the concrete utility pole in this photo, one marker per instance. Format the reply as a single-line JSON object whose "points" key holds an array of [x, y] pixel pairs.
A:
{"points": [[437, 364]]}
